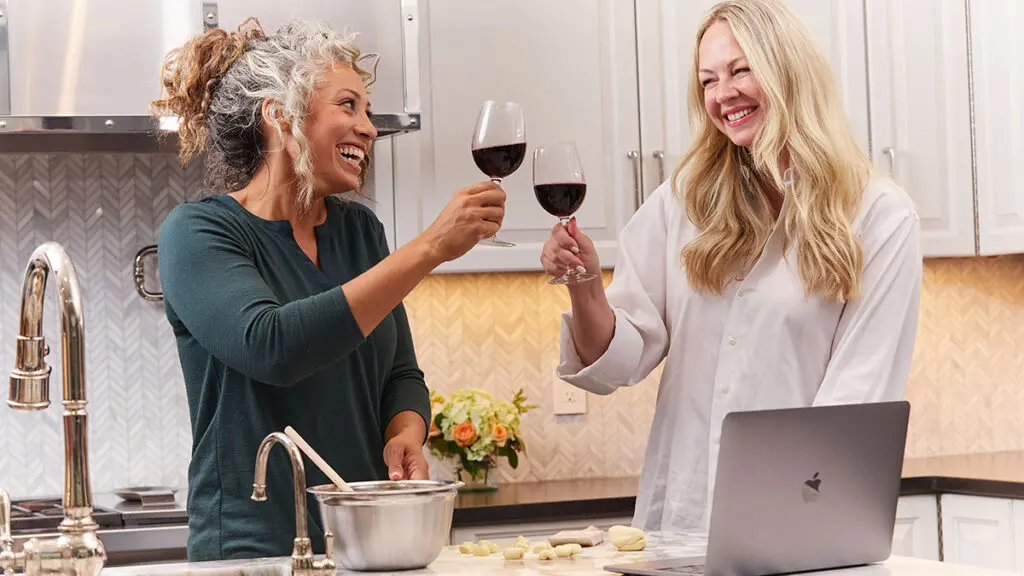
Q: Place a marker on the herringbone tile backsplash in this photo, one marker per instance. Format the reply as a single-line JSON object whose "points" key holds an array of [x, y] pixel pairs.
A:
{"points": [[498, 332]]}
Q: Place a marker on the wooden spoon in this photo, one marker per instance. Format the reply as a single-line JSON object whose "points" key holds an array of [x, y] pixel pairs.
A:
{"points": [[320, 462]]}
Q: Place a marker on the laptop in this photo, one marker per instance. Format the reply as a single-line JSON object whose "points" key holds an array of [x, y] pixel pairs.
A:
{"points": [[800, 490]]}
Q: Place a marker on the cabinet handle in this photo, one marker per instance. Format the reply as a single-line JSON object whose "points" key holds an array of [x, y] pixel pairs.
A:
{"points": [[638, 193], [140, 274], [211, 18], [891, 153], [659, 155]]}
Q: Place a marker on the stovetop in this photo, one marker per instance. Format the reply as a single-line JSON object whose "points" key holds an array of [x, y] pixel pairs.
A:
{"points": [[46, 514]]}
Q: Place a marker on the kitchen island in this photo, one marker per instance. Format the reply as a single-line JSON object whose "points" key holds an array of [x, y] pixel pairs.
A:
{"points": [[590, 563], [992, 484]]}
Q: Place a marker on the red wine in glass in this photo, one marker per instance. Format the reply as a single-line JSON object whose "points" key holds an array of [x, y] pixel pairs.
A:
{"points": [[499, 145], [501, 161], [560, 187], [561, 199]]}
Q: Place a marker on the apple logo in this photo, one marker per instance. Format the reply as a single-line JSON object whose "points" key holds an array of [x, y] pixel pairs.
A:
{"points": [[812, 489]]}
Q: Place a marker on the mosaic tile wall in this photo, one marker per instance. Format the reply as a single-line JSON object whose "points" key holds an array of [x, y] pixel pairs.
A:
{"points": [[498, 332]]}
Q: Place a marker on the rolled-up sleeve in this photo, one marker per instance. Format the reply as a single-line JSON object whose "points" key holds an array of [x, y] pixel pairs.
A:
{"points": [[874, 341], [637, 297]]}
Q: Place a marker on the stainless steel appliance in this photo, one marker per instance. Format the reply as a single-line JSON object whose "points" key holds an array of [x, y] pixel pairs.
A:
{"points": [[94, 67]]}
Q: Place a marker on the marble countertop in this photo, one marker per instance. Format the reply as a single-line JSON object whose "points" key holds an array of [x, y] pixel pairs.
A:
{"points": [[590, 563]]}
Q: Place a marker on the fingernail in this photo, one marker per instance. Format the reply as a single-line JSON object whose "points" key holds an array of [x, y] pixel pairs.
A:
{"points": [[575, 250], [581, 269]]}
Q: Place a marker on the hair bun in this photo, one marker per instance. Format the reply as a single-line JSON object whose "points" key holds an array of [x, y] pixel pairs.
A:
{"points": [[189, 77]]}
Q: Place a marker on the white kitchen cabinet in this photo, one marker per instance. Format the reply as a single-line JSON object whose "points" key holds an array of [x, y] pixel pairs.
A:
{"points": [[572, 65], [979, 531], [379, 188], [999, 124], [533, 531], [916, 533], [920, 113], [666, 43], [1018, 535]]}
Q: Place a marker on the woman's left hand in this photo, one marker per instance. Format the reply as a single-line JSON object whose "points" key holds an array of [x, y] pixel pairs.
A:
{"points": [[404, 458]]}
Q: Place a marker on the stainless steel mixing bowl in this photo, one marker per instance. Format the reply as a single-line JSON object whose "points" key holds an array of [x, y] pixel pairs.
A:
{"points": [[388, 525]]}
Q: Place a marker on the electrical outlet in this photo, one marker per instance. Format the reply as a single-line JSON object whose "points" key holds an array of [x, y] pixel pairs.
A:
{"points": [[569, 399]]}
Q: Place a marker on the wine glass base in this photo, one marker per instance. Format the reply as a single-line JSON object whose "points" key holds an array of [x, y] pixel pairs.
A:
{"points": [[495, 241], [571, 279]]}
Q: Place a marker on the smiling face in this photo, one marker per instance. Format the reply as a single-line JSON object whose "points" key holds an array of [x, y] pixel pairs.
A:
{"points": [[339, 130], [732, 96]]}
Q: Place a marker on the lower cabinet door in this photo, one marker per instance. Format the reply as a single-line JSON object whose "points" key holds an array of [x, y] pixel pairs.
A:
{"points": [[916, 533]]}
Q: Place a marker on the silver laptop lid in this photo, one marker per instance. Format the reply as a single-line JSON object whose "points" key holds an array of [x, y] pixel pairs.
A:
{"points": [[806, 488]]}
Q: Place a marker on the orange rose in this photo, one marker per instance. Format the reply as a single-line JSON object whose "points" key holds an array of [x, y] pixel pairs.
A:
{"points": [[500, 434], [434, 430], [464, 434]]}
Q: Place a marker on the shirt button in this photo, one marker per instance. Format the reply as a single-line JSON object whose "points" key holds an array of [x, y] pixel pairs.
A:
{"points": [[742, 292], [725, 390], [732, 340]]}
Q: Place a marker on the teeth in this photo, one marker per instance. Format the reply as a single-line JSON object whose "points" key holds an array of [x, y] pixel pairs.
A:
{"points": [[352, 153], [737, 115]]}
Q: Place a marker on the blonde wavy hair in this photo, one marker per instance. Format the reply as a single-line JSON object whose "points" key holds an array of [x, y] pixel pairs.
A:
{"points": [[725, 188], [216, 83]]}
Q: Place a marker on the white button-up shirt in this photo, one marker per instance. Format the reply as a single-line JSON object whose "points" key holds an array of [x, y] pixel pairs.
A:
{"points": [[760, 345]]}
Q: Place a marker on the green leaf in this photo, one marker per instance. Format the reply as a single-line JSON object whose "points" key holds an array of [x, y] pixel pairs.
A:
{"points": [[513, 459]]}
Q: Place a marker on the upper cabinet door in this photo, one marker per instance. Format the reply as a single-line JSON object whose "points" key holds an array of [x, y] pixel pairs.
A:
{"points": [[101, 57], [920, 113], [571, 64], [997, 42], [666, 44]]}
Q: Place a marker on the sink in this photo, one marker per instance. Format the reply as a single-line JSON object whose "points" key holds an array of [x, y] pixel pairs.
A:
{"points": [[255, 567]]}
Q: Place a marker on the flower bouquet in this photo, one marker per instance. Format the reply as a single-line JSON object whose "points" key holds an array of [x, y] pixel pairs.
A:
{"points": [[474, 428]]}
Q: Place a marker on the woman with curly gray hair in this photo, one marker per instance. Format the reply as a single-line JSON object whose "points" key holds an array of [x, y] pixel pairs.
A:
{"points": [[284, 299]]}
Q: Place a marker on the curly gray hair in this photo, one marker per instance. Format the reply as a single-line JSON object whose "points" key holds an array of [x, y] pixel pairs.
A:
{"points": [[217, 82]]}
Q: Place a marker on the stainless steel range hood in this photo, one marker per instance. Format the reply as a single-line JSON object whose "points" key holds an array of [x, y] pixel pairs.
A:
{"points": [[92, 66]]}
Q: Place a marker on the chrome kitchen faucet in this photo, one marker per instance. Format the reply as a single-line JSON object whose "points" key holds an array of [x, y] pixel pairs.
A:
{"points": [[77, 550]]}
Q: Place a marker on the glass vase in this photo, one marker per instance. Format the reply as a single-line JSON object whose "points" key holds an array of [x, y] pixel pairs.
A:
{"points": [[485, 480]]}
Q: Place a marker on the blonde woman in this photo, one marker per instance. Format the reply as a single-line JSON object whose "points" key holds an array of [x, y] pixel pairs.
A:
{"points": [[773, 270]]}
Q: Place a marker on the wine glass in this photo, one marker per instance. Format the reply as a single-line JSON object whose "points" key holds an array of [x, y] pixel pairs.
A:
{"points": [[499, 145], [560, 186]]}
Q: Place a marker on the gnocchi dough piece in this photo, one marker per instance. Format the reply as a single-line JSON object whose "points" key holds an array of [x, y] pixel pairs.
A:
{"points": [[627, 538], [568, 550], [591, 536], [494, 548], [467, 548], [546, 554], [522, 542], [482, 549], [514, 553], [541, 547]]}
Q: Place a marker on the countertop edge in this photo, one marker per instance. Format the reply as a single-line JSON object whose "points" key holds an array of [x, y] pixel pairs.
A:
{"points": [[624, 505]]}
